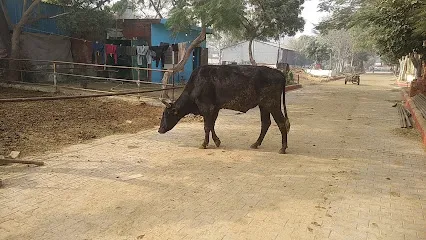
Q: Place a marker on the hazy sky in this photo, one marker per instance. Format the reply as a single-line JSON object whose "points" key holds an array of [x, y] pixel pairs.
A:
{"points": [[311, 15]]}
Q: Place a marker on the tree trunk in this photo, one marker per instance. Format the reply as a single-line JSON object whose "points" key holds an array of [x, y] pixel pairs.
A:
{"points": [[252, 61], [4, 28], [6, 14], [417, 65], [17, 30], [180, 66]]}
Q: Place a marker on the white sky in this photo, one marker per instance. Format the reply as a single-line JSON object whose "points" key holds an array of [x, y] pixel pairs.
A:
{"points": [[311, 15]]}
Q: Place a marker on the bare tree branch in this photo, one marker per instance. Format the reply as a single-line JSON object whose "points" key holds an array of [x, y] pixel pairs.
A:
{"points": [[157, 10], [6, 14], [24, 6], [101, 3], [26, 14], [36, 19]]}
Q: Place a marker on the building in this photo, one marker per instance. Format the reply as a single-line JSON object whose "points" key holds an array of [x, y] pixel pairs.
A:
{"points": [[45, 40], [40, 39], [264, 53], [153, 32], [45, 24]]}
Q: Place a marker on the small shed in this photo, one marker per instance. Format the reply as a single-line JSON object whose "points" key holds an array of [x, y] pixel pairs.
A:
{"points": [[264, 53]]}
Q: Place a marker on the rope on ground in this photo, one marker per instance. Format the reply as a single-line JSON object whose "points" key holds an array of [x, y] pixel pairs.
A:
{"points": [[8, 161], [33, 99]]}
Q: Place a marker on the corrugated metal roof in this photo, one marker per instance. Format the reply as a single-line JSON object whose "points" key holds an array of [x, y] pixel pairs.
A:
{"points": [[14, 9]]}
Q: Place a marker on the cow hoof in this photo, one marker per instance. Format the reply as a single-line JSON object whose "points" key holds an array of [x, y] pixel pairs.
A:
{"points": [[203, 146], [254, 146], [217, 142], [282, 151]]}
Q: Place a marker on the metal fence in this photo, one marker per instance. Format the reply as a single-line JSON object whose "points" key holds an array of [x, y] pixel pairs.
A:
{"points": [[83, 76]]}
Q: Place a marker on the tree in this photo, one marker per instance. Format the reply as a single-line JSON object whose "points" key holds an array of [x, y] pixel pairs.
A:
{"points": [[146, 7], [268, 19], [394, 27], [222, 15], [312, 47], [29, 16], [300, 45], [219, 41], [243, 18]]}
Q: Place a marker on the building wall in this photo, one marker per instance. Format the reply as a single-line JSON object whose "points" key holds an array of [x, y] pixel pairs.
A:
{"points": [[159, 33], [237, 53], [4, 33], [263, 54], [14, 9], [136, 28]]}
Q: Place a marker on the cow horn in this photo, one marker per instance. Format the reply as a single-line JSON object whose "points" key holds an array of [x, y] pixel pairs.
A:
{"points": [[165, 102]]}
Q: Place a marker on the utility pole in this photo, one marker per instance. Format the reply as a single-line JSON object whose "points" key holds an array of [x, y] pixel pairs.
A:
{"points": [[279, 48]]}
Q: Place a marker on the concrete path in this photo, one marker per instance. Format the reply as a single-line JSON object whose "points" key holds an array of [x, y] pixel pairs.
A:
{"points": [[350, 173]]}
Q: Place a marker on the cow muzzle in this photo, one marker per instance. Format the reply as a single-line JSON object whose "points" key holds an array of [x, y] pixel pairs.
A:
{"points": [[162, 130]]}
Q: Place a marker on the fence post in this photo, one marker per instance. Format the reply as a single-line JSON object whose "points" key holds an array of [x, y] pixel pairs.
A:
{"points": [[298, 79], [139, 83], [54, 76], [173, 76]]}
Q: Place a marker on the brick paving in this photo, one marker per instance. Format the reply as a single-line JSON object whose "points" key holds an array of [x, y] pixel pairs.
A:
{"points": [[350, 173]]}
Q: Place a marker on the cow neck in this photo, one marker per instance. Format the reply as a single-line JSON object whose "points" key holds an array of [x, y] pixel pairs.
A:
{"points": [[184, 105]]}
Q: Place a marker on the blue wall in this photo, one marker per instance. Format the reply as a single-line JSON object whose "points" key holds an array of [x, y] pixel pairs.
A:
{"points": [[159, 33], [14, 9]]}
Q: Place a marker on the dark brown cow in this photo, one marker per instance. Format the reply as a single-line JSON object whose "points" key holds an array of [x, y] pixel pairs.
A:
{"points": [[239, 88]]}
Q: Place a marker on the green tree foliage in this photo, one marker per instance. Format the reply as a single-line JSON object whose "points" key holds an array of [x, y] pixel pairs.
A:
{"points": [[85, 18], [243, 19], [317, 50], [394, 28]]}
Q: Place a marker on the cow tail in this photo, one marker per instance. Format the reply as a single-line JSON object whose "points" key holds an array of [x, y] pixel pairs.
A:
{"points": [[287, 120]]}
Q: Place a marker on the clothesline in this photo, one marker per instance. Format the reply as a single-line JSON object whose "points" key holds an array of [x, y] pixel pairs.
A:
{"points": [[149, 53], [80, 39], [60, 35]]}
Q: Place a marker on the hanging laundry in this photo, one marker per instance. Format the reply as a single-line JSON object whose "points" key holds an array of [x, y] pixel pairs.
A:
{"points": [[121, 50], [175, 47], [143, 52], [111, 49], [131, 51], [98, 51], [160, 53], [151, 54]]}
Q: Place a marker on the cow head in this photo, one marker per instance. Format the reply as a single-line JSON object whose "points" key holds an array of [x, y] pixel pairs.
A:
{"points": [[170, 117]]}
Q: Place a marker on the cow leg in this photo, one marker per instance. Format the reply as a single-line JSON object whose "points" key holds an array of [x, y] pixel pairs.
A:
{"points": [[214, 136], [265, 118], [207, 129], [210, 114], [281, 122]]}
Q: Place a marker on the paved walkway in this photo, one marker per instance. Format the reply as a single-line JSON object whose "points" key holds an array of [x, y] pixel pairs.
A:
{"points": [[350, 173]]}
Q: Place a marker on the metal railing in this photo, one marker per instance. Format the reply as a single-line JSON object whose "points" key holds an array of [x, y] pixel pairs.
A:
{"points": [[75, 73]]}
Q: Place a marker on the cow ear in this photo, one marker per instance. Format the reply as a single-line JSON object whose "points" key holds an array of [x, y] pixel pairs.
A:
{"points": [[165, 102]]}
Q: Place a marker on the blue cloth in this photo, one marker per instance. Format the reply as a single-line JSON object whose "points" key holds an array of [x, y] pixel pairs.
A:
{"points": [[98, 48]]}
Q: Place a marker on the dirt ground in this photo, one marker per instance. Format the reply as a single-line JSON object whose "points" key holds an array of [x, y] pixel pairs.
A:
{"points": [[350, 173], [35, 127]]}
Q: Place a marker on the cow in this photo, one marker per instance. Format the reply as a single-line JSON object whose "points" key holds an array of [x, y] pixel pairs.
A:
{"points": [[239, 88]]}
